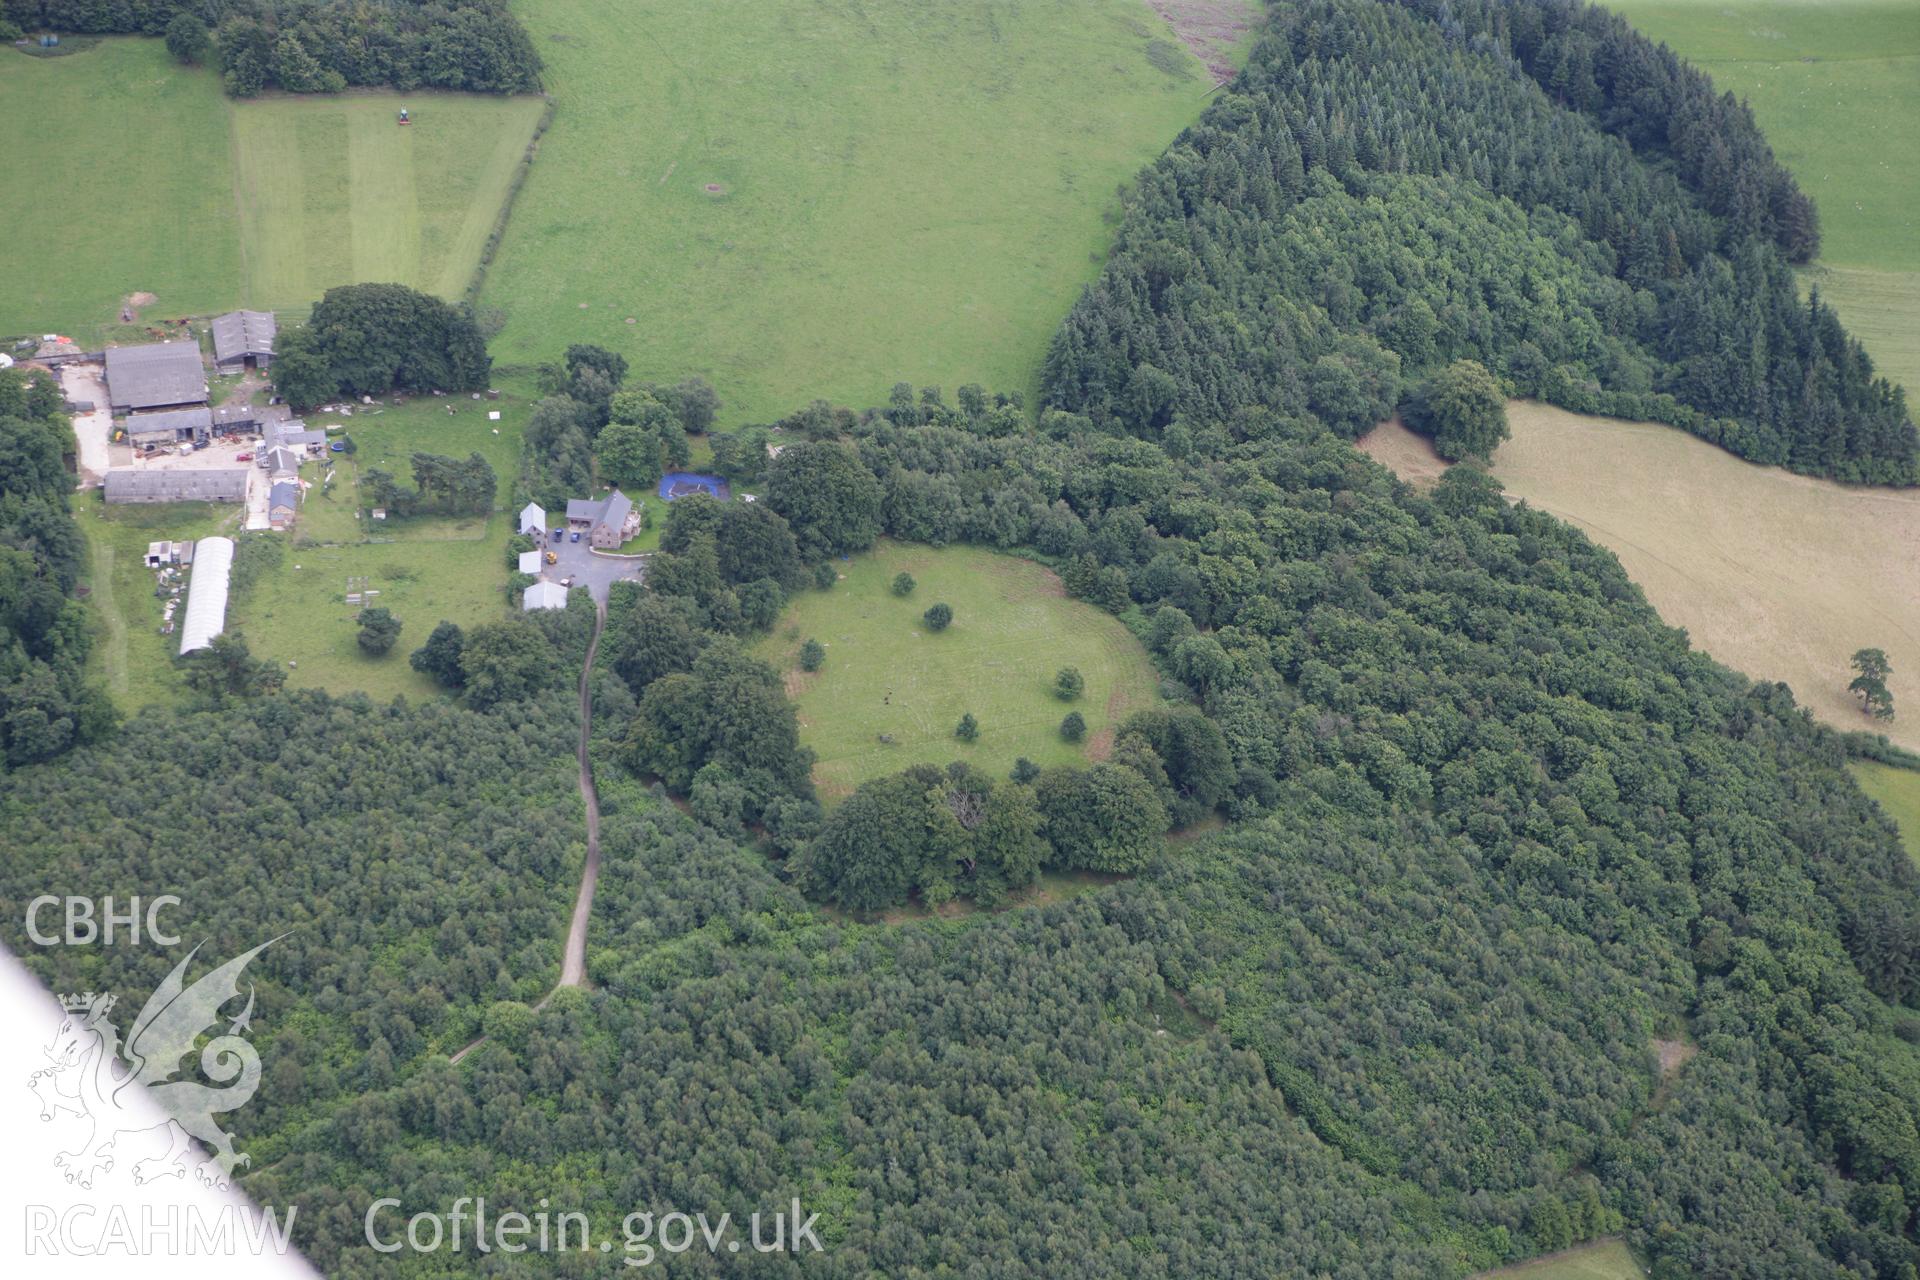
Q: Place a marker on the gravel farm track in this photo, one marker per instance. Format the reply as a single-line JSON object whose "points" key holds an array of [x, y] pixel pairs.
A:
{"points": [[573, 964]]}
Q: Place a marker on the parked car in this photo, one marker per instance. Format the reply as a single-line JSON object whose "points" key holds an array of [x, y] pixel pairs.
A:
{"points": [[557, 533], [243, 457], [576, 536]]}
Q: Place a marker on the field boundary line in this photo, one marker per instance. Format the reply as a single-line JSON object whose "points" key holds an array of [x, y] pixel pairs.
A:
{"points": [[479, 278]]}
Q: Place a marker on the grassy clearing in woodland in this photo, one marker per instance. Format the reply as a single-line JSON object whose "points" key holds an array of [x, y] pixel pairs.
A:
{"points": [[1779, 576], [1836, 87], [799, 200], [1606, 1260], [1898, 792], [141, 177], [1013, 628]]}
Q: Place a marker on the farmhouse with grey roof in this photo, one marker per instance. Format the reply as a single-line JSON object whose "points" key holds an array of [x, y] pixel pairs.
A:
{"points": [[183, 484], [159, 375], [607, 521], [240, 336]]}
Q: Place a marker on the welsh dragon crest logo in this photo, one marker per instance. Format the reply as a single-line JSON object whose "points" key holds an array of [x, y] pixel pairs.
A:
{"points": [[95, 1077]]}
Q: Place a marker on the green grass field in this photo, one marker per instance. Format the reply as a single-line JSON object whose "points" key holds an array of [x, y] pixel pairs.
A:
{"points": [[1013, 628], [799, 199], [119, 179], [1836, 86], [426, 569], [130, 656], [141, 177], [1898, 791], [1607, 1260], [334, 192], [300, 614]]}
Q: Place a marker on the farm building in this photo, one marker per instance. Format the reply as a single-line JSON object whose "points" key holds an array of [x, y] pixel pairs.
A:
{"points": [[159, 375], [206, 615], [607, 522], [165, 553], [293, 434], [185, 484], [240, 336], [234, 418], [283, 503], [533, 520], [169, 426], [530, 562], [281, 460], [544, 595]]}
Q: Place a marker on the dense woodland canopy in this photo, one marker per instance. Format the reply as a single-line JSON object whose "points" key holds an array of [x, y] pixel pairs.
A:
{"points": [[318, 46], [45, 707], [1382, 192], [1493, 828]]}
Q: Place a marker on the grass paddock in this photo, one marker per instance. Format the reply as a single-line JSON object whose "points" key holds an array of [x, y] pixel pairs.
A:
{"points": [[886, 673], [1898, 792], [141, 177], [797, 199]]}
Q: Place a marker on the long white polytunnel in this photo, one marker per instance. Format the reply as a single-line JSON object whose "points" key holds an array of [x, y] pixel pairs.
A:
{"points": [[207, 593]]}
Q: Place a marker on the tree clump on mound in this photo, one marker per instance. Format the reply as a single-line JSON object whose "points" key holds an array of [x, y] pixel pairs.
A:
{"points": [[371, 339]]}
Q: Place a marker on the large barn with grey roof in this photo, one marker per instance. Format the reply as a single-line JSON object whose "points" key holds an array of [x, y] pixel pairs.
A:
{"points": [[159, 375], [184, 484]]}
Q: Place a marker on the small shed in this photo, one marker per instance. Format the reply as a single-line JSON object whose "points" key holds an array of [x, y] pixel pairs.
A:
{"points": [[533, 520], [530, 562]]}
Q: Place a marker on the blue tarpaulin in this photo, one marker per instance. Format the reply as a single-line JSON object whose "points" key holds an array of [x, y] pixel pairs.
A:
{"points": [[678, 484]]}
